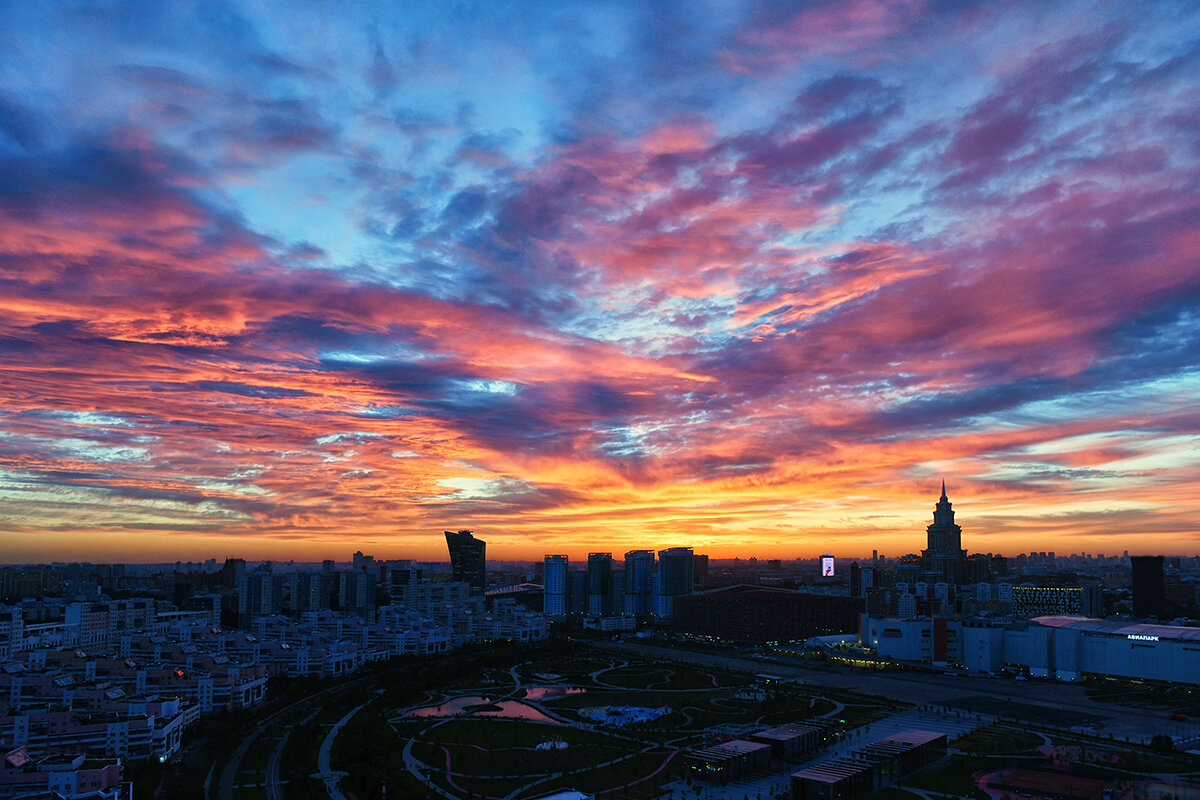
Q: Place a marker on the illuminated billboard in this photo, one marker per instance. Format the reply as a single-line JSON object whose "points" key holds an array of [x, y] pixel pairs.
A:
{"points": [[827, 566]]}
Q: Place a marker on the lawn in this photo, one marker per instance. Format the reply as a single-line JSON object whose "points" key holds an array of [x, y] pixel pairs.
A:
{"points": [[998, 740], [495, 749], [893, 793], [955, 775]]}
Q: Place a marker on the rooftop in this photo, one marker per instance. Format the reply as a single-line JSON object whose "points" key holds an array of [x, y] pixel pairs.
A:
{"points": [[1121, 628]]}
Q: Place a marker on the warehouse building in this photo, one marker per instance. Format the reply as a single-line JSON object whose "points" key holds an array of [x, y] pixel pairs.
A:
{"points": [[875, 766], [728, 760], [791, 740]]}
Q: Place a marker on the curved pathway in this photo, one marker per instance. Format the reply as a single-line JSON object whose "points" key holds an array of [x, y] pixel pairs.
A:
{"points": [[274, 789], [654, 675], [324, 770], [229, 771]]}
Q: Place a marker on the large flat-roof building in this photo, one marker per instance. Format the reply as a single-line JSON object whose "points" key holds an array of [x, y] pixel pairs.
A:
{"points": [[760, 615], [1064, 647]]}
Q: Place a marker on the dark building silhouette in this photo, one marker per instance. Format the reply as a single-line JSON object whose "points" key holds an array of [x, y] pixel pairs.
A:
{"points": [[675, 571], [599, 578], [944, 559], [467, 560], [577, 589], [759, 614], [639, 582], [1148, 586]]}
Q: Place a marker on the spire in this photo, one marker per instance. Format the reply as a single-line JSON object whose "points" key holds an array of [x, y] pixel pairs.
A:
{"points": [[943, 497]]}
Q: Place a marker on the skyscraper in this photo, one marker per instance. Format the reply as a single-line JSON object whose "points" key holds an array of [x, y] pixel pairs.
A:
{"points": [[1148, 586], [467, 560], [639, 577], [554, 576], [675, 578], [945, 554], [599, 572]]}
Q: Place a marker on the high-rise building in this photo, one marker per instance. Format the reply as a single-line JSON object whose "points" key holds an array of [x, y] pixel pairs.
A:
{"points": [[945, 554], [674, 578], [909, 569], [599, 572], [467, 559], [554, 576], [1149, 584], [356, 594], [675, 570], [312, 591], [259, 593], [639, 577]]}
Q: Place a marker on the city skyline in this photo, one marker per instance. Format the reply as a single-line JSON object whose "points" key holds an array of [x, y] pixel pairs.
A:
{"points": [[749, 278]]}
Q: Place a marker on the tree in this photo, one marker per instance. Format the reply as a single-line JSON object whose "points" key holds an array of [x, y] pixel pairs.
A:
{"points": [[1162, 743]]}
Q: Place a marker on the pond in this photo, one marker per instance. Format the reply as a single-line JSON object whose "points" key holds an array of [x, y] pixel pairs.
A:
{"points": [[513, 709]]}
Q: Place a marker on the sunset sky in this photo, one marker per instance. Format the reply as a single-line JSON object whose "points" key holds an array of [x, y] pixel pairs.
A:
{"points": [[289, 280]]}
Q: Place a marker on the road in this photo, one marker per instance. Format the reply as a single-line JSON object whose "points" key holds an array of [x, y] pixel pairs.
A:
{"points": [[1065, 704]]}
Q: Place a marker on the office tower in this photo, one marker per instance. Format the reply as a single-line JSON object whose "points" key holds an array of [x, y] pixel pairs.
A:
{"points": [[467, 559], [675, 578], [599, 578], [1148, 586], [945, 554], [700, 569], [554, 576], [639, 576]]}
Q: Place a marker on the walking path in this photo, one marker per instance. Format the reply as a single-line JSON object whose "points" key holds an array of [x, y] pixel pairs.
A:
{"points": [[324, 770]]}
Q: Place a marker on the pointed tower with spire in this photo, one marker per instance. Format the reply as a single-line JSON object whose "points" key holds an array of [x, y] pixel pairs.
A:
{"points": [[945, 554]]}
